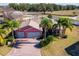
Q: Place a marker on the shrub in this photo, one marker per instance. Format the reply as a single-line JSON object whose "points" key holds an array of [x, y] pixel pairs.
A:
{"points": [[50, 38], [9, 39], [65, 36], [49, 16], [46, 41]]}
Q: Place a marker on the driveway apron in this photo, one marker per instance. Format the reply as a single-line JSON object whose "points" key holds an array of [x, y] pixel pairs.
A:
{"points": [[26, 48]]}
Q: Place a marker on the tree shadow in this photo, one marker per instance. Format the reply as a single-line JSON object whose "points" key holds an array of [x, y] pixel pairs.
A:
{"points": [[18, 44], [38, 44], [42, 44]]}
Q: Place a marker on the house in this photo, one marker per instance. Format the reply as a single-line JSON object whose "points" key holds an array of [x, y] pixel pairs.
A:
{"points": [[7, 12], [12, 14], [32, 30], [1, 15]]}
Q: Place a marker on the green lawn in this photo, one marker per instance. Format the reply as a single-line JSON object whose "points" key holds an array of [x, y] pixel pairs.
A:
{"points": [[4, 50], [57, 47]]}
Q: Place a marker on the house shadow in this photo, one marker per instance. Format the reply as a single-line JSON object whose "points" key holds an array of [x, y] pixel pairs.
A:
{"points": [[19, 44], [41, 44]]}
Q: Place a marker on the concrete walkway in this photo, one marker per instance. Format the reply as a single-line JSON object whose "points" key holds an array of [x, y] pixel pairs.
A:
{"points": [[26, 49]]}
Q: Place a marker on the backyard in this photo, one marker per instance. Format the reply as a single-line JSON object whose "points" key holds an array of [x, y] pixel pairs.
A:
{"points": [[57, 48]]}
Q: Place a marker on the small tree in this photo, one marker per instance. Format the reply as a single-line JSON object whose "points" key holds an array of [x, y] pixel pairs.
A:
{"points": [[12, 24], [74, 13], [66, 23], [63, 24], [43, 7], [50, 38], [46, 24]]}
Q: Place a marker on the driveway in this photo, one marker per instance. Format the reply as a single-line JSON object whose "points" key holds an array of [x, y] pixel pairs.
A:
{"points": [[25, 48]]}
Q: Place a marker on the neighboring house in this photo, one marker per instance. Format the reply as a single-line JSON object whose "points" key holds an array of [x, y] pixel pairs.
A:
{"points": [[16, 14], [7, 12], [12, 14], [1, 15], [31, 30], [1, 21]]}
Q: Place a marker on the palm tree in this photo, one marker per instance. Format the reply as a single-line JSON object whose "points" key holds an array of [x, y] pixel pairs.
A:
{"points": [[58, 26], [66, 23], [12, 24], [63, 23], [46, 24]]}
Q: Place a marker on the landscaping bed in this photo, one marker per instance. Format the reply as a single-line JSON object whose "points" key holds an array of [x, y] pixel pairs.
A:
{"points": [[57, 48]]}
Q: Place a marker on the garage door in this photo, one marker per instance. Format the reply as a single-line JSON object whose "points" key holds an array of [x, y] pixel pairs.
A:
{"points": [[20, 35], [33, 34]]}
